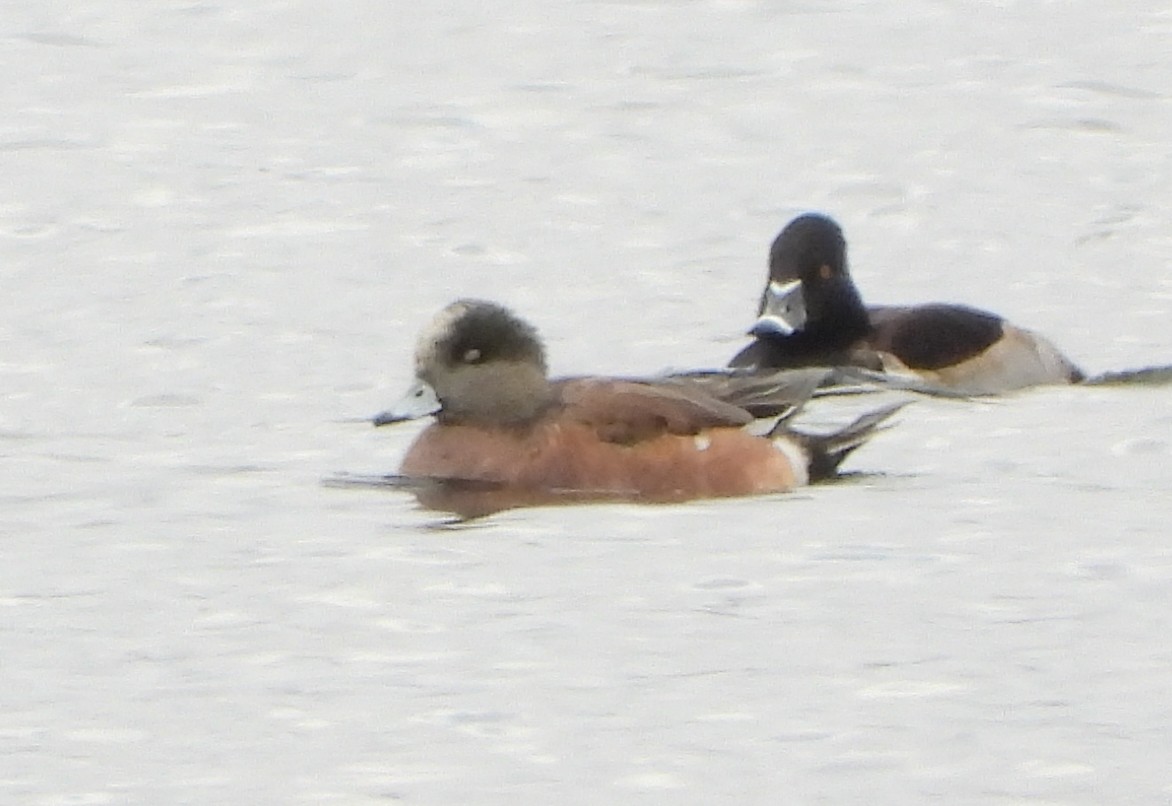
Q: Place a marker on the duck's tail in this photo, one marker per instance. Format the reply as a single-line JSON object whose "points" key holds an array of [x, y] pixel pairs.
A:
{"points": [[1147, 376], [827, 451], [765, 395]]}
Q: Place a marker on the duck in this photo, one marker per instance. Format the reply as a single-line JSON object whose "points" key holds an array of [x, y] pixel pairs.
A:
{"points": [[503, 434], [812, 314]]}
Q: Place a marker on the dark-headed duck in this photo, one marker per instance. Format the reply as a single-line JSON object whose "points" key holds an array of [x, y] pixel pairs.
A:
{"points": [[506, 435], [812, 314]]}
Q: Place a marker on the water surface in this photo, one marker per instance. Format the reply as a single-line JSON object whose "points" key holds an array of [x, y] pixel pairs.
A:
{"points": [[223, 226]]}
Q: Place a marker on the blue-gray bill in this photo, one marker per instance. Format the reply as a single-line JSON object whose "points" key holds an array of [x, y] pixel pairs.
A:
{"points": [[420, 401], [783, 310]]}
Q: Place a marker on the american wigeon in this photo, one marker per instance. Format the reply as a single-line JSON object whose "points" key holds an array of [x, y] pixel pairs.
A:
{"points": [[506, 435], [812, 314]]}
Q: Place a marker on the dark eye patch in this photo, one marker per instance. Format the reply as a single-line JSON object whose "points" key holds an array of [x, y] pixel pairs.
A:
{"points": [[485, 334]]}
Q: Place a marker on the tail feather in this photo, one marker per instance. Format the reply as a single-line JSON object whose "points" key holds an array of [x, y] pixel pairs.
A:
{"points": [[782, 395], [1147, 376], [827, 451], [765, 395]]}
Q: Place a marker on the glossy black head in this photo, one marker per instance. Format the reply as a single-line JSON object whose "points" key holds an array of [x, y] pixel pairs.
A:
{"points": [[810, 287]]}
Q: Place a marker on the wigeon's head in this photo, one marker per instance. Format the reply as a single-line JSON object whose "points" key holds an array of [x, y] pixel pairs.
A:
{"points": [[809, 281], [476, 363]]}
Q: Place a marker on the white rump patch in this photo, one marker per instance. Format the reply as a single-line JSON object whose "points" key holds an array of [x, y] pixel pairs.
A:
{"points": [[799, 462]]}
